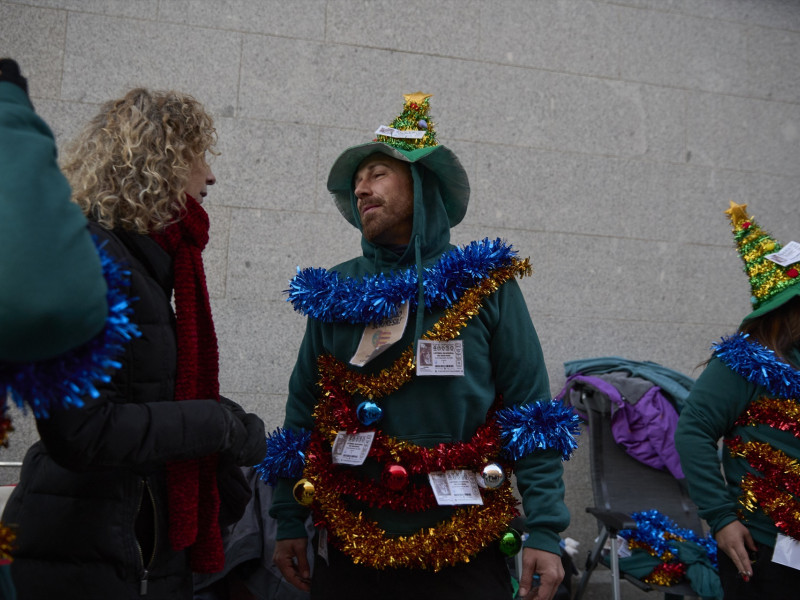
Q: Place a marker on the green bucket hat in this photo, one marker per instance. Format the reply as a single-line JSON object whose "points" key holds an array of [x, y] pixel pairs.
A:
{"points": [[411, 138], [774, 271]]}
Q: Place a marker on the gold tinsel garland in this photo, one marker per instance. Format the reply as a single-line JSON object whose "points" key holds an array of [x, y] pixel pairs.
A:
{"points": [[454, 319], [776, 493], [766, 278], [7, 538], [447, 544]]}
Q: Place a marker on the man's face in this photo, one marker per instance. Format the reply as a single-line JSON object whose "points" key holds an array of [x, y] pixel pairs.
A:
{"points": [[385, 192]]}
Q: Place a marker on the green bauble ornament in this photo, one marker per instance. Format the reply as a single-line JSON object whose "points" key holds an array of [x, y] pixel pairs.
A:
{"points": [[510, 542]]}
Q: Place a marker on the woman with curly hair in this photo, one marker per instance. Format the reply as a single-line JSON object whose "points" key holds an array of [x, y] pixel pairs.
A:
{"points": [[125, 497]]}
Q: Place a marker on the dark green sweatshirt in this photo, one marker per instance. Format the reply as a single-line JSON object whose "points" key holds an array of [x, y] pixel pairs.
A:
{"points": [[54, 294], [502, 356], [716, 401]]}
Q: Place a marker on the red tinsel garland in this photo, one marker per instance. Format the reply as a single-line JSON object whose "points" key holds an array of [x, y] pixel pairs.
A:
{"points": [[779, 413], [448, 543], [666, 574], [337, 414]]}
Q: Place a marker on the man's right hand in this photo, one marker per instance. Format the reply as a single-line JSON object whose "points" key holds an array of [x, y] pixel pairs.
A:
{"points": [[735, 540], [290, 557]]}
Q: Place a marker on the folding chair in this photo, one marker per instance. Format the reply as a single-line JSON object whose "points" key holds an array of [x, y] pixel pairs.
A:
{"points": [[622, 485]]}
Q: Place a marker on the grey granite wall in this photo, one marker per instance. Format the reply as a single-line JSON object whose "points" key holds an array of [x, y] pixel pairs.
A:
{"points": [[604, 139]]}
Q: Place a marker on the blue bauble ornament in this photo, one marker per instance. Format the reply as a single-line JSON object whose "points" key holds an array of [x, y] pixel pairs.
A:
{"points": [[369, 413], [422, 124]]}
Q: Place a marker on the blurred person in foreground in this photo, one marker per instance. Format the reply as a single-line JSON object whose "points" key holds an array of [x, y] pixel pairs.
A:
{"points": [[747, 396], [407, 463], [58, 335], [125, 496]]}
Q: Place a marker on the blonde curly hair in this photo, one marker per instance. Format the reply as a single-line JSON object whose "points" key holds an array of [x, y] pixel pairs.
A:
{"points": [[130, 165]]}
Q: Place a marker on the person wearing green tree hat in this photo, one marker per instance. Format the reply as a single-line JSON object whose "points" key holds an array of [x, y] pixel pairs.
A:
{"points": [[748, 396], [419, 388]]}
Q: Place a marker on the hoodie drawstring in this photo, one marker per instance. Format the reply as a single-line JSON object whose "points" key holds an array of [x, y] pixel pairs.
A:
{"points": [[420, 291]]}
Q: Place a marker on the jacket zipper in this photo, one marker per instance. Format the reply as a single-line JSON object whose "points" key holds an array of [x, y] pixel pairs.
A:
{"points": [[145, 489]]}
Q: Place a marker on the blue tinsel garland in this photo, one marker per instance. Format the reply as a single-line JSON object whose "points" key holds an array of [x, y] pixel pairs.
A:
{"points": [[64, 380], [523, 429], [651, 527], [759, 365], [326, 296], [286, 455], [538, 426]]}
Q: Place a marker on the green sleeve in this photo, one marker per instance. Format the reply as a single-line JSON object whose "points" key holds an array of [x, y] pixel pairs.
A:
{"points": [[285, 509], [521, 377], [54, 294], [716, 400]]}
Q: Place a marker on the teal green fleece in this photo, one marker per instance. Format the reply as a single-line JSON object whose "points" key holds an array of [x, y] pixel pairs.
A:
{"points": [[716, 401], [502, 356], [54, 294]]}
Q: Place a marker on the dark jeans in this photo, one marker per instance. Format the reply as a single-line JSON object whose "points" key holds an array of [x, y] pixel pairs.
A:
{"points": [[485, 577], [770, 581]]}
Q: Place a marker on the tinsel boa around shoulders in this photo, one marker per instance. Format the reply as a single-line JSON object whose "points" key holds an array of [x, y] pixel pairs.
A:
{"points": [[330, 297], [759, 365], [63, 381]]}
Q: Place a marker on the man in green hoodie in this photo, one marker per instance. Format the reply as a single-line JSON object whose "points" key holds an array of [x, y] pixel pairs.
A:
{"points": [[406, 462]]}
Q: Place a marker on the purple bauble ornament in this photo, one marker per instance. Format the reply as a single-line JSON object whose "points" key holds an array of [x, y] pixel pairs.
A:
{"points": [[422, 124]]}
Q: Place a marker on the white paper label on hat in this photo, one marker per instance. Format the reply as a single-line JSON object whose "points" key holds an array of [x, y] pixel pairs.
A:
{"points": [[787, 552], [414, 134], [788, 255], [379, 337], [440, 358], [455, 487]]}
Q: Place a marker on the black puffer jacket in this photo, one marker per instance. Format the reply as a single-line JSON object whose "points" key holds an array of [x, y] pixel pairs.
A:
{"points": [[91, 506]]}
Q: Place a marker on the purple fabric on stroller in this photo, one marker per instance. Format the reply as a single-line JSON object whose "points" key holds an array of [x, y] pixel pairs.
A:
{"points": [[646, 428]]}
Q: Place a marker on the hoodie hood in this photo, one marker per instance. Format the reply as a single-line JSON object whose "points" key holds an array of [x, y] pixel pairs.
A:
{"points": [[433, 217], [441, 196]]}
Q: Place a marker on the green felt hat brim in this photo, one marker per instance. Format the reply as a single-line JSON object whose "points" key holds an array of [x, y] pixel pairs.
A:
{"points": [[453, 180], [776, 301]]}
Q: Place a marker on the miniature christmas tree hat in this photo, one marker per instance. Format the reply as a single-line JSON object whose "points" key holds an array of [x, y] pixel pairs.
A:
{"points": [[411, 137], [773, 270]]}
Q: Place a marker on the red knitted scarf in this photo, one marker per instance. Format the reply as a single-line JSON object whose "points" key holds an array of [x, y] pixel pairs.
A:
{"points": [[192, 491]]}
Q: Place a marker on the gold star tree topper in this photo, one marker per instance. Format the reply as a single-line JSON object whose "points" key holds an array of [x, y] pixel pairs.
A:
{"points": [[417, 97], [737, 213]]}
